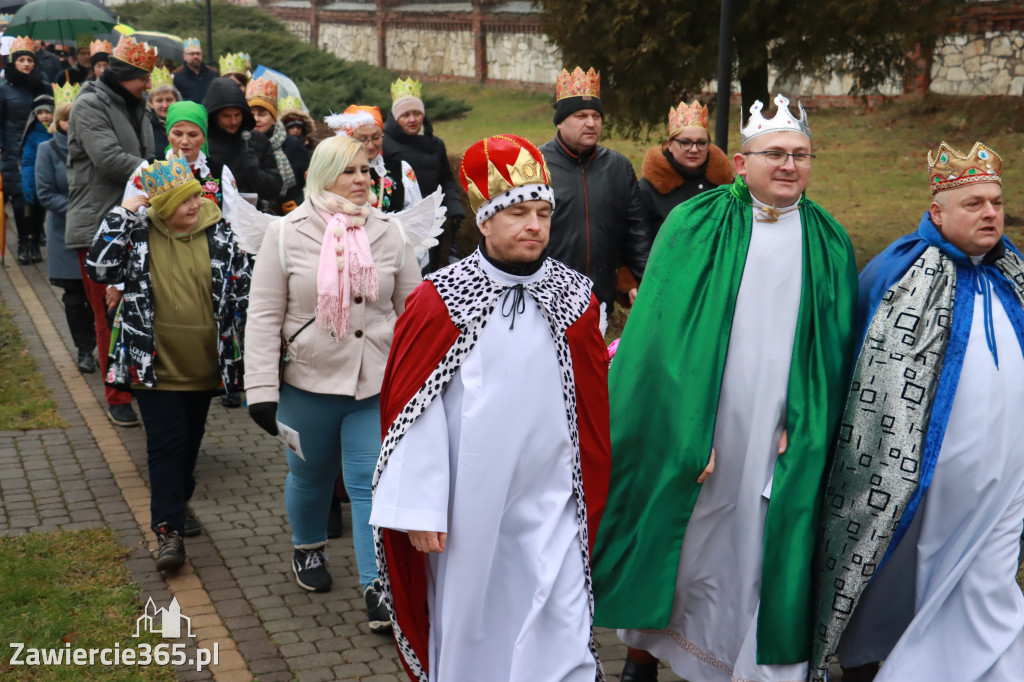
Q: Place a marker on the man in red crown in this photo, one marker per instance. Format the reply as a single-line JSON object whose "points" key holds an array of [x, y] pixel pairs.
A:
{"points": [[495, 417]]}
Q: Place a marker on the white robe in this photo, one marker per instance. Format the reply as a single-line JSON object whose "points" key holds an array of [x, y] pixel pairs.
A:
{"points": [[958, 562], [712, 633], [490, 463]]}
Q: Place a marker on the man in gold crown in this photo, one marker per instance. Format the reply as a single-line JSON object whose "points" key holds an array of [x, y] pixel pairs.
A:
{"points": [[598, 224], [108, 137], [682, 167], [923, 508], [726, 392], [193, 78]]}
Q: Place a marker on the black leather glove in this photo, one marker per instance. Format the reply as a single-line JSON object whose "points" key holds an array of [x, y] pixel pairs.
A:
{"points": [[265, 416]]}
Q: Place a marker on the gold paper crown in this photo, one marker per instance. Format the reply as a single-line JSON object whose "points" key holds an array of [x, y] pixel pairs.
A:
{"points": [[98, 46], [139, 55], [289, 103], [163, 176], [950, 168], [161, 78], [262, 89], [578, 84], [406, 88], [23, 44], [191, 43], [64, 94], [236, 62], [684, 115]]}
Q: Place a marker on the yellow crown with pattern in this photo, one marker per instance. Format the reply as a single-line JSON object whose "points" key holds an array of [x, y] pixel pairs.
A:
{"points": [[139, 55], [97, 46], [23, 44], [64, 94], [406, 88], [237, 62], [289, 103], [578, 84], [950, 168], [161, 78], [161, 177], [686, 115]]}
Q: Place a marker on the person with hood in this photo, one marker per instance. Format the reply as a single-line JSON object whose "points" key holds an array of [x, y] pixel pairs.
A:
{"points": [[290, 154], [685, 165], [409, 136], [23, 82], [51, 186], [234, 143], [162, 94], [36, 132], [193, 78], [297, 121], [108, 137]]}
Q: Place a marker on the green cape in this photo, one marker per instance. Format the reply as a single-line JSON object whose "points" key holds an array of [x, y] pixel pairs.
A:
{"points": [[665, 385]]}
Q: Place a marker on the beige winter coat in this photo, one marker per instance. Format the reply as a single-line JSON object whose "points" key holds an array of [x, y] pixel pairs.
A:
{"points": [[283, 298]]}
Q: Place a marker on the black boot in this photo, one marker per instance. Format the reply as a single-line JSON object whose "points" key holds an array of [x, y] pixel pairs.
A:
{"points": [[35, 253], [24, 254], [638, 672], [86, 361], [335, 526]]}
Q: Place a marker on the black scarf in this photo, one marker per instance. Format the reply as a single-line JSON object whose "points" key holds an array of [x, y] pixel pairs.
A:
{"points": [[31, 81], [424, 142], [687, 173], [131, 102], [514, 269]]}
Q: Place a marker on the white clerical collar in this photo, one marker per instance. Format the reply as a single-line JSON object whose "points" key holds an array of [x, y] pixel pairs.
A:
{"points": [[503, 277]]}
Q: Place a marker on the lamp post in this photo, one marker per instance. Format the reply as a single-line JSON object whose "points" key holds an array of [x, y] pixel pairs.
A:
{"points": [[724, 76], [209, 31]]}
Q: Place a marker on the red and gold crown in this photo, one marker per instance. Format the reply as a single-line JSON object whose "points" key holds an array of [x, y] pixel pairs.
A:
{"points": [[97, 46], [503, 170], [23, 44], [950, 168], [139, 55], [578, 84], [262, 92], [685, 115]]}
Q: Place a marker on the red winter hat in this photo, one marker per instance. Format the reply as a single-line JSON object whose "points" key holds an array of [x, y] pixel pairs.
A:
{"points": [[503, 170]]}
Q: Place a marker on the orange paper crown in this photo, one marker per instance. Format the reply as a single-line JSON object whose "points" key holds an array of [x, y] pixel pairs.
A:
{"points": [[139, 55], [498, 164], [97, 46], [23, 44], [578, 84], [684, 115], [951, 168]]}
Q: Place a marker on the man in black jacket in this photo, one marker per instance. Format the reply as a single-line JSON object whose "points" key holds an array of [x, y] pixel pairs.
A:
{"points": [[409, 136], [234, 143], [193, 78], [598, 223]]}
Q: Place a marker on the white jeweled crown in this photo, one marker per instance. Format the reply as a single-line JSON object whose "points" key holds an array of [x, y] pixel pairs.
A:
{"points": [[784, 121]]}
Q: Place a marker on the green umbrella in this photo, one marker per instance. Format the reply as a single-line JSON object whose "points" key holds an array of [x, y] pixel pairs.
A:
{"points": [[59, 20]]}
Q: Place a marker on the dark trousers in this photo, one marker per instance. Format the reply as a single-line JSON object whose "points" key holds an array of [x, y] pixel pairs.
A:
{"points": [[175, 422], [28, 219], [78, 313], [95, 293]]}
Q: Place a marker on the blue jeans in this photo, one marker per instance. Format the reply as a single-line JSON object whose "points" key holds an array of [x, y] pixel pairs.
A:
{"points": [[335, 432]]}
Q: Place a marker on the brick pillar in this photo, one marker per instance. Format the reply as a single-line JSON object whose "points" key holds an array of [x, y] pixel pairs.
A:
{"points": [[314, 23], [917, 75], [479, 42], [382, 34]]}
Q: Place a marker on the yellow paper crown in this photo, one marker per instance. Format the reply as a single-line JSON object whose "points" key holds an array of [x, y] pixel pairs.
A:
{"points": [[64, 94], [684, 115], [289, 103], [163, 176], [578, 84], [406, 88], [950, 168], [23, 44], [161, 78], [98, 46], [139, 55], [236, 62]]}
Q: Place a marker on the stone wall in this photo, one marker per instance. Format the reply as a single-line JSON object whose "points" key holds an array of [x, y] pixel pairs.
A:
{"points": [[435, 52], [356, 42], [986, 63], [523, 57], [299, 28]]}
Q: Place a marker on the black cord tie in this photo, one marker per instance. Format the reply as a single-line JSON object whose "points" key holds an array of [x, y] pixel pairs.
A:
{"points": [[518, 304]]}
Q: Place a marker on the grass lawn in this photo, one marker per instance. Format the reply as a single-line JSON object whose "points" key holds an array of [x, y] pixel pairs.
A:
{"points": [[69, 586], [24, 401]]}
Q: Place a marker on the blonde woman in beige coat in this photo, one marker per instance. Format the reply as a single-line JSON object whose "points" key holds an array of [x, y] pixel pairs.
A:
{"points": [[331, 278]]}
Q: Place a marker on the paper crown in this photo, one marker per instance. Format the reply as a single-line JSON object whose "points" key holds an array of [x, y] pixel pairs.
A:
{"points": [[684, 115], [139, 55], [503, 170], [406, 88], [97, 46], [262, 89], [578, 84], [23, 44], [65, 94], [191, 43], [289, 103], [5, 19], [352, 118], [237, 62], [950, 168], [784, 121], [163, 176], [161, 78]]}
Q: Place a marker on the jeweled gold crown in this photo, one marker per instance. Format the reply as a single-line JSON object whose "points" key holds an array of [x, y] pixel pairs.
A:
{"points": [[498, 164], [23, 44], [289, 103], [161, 78], [191, 43], [784, 121], [261, 89], [139, 55], [406, 88], [578, 84], [684, 115], [65, 94], [97, 46], [234, 63], [163, 176], [950, 168]]}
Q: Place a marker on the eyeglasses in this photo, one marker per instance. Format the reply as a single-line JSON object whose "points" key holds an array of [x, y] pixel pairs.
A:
{"points": [[686, 143], [375, 139], [774, 157]]}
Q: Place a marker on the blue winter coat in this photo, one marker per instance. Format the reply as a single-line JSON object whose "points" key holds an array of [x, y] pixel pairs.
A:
{"points": [[52, 193], [35, 135]]}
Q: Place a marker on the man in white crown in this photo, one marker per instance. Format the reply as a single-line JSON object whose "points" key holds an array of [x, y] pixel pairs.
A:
{"points": [[738, 363]]}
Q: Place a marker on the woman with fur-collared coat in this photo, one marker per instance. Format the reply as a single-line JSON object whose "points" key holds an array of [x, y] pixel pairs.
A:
{"points": [[685, 165]]}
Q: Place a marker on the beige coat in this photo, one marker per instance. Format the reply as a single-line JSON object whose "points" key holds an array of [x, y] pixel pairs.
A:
{"points": [[282, 299]]}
